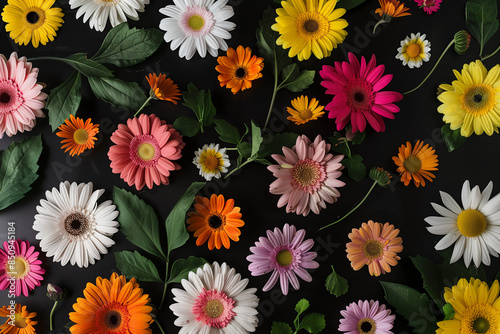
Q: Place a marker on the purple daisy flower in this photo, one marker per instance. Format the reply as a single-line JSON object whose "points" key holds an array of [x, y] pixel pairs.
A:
{"points": [[366, 317]]}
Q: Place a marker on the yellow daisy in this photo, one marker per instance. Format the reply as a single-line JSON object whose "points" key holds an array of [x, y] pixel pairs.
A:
{"points": [[307, 26], [211, 161], [304, 111], [472, 102]]}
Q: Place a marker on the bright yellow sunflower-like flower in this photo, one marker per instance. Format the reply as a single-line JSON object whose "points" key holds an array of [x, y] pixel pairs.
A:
{"points": [[304, 110]]}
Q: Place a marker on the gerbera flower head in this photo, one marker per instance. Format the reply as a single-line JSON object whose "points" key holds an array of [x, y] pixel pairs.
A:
{"points": [[307, 27], [72, 226], [197, 25], [239, 68], [78, 135], [303, 110], [144, 151], [429, 6], [32, 21], [357, 94], [211, 161], [414, 50], [215, 220], [416, 164], [112, 306], [21, 97], [471, 102], [19, 262], [390, 9], [163, 88], [23, 320], [214, 300], [366, 317], [284, 253], [376, 245], [474, 229]]}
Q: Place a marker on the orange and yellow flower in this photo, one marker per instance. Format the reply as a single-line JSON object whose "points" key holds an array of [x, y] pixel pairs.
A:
{"points": [[78, 135], [21, 324], [391, 8], [416, 164], [163, 88], [304, 110]]}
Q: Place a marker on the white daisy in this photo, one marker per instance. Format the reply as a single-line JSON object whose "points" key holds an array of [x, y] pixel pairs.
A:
{"points": [[97, 12], [414, 50], [215, 301], [475, 229], [211, 161], [197, 25], [72, 227]]}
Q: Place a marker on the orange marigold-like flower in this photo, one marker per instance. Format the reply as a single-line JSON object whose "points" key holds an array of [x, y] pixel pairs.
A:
{"points": [[78, 135], [23, 320], [416, 164], [163, 88]]}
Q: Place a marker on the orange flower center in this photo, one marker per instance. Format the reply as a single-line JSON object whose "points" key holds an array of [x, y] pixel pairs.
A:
{"points": [[412, 164], [366, 326], [211, 162], [284, 257], [413, 50], [471, 223], [19, 321], [373, 249], [81, 136], [306, 114]]}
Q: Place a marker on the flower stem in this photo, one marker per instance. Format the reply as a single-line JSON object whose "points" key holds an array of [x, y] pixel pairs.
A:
{"points": [[491, 54], [382, 21], [231, 148], [165, 284], [143, 105], [237, 168], [348, 148], [159, 326], [51, 313], [275, 90]]}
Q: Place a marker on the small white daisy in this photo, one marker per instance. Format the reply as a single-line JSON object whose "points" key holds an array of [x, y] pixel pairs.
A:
{"points": [[197, 25], [475, 229], [211, 161], [72, 227], [414, 50], [98, 12], [215, 301]]}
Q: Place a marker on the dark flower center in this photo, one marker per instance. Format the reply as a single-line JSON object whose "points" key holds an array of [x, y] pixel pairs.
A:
{"points": [[311, 26], [359, 97], [4, 98], [214, 221], [481, 325], [113, 319], [366, 326], [76, 224], [240, 73], [478, 98], [32, 17]]}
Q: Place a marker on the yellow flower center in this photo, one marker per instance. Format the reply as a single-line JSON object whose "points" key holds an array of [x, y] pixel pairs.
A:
{"points": [[34, 17], [306, 173], [19, 321], [196, 22], [284, 257], [412, 164], [312, 26], [478, 100], [471, 223], [373, 249], [18, 269], [480, 319], [214, 308], [211, 163], [146, 151], [306, 114], [413, 50], [366, 326], [81, 136]]}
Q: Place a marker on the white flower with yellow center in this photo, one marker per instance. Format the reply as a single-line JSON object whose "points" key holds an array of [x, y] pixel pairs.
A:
{"points": [[414, 50], [211, 161], [475, 229]]}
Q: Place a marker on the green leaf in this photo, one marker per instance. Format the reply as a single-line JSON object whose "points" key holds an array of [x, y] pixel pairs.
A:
{"points": [[201, 103], [263, 161], [86, 66], [126, 47], [301, 306], [18, 167], [256, 140], [118, 93], [448, 311], [313, 323], [133, 264], [187, 126], [175, 223], [181, 268], [349, 4], [339, 144], [227, 132], [481, 20], [295, 80], [281, 328], [274, 143], [336, 284], [244, 149], [452, 138], [138, 222], [355, 167], [64, 100], [359, 138]]}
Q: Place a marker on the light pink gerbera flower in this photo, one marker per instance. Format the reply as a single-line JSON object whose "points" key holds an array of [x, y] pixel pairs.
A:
{"points": [[429, 6], [366, 317], [307, 176], [358, 96], [286, 254], [21, 97], [19, 262], [144, 151]]}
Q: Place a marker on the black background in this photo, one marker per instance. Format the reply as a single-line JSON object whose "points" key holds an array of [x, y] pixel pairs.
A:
{"points": [[405, 207]]}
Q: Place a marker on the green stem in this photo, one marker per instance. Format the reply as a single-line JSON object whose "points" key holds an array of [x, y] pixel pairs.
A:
{"points": [[165, 284], [159, 326], [237, 168], [51, 313], [357, 206], [48, 58], [435, 65], [348, 148], [382, 21], [275, 90], [491, 54], [231, 148], [143, 105]]}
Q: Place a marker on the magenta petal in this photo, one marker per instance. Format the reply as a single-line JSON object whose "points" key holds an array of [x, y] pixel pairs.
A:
{"points": [[382, 111], [387, 97], [384, 81]]}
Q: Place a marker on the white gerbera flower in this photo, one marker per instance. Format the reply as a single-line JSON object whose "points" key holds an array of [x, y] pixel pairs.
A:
{"points": [[414, 50], [197, 25], [215, 301], [72, 227], [475, 229], [97, 12], [211, 161]]}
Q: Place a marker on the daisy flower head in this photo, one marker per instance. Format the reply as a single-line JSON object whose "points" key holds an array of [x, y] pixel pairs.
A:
{"points": [[211, 161], [163, 88], [303, 110], [239, 68], [474, 229], [23, 320], [414, 50], [286, 254], [358, 98], [416, 164], [197, 25], [306, 176], [366, 317], [376, 245], [78, 135], [72, 227], [429, 6], [19, 262], [21, 97], [215, 300]]}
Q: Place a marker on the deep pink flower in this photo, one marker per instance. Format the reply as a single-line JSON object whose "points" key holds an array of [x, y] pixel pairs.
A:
{"points": [[358, 96], [429, 6], [366, 317]]}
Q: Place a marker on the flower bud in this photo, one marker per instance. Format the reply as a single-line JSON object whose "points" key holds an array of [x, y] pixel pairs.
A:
{"points": [[379, 175], [462, 42], [55, 292]]}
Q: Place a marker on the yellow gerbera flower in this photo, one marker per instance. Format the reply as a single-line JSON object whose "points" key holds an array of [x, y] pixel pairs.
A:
{"points": [[309, 26], [304, 111], [472, 102]]}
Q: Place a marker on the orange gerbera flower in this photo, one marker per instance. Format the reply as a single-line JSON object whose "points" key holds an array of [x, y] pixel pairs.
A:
{"points": [[21, 324], [78, 136], [163, 88], [112, 306], [215, 220], [390, 9], [416, 164], [239, 69]]}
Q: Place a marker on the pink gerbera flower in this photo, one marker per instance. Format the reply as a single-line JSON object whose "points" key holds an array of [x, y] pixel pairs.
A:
{"points": [[366, 317], [286, 254], [144, 151], [358, 98], [307, 176], [429, 6], [19, 264], [21, 97]]}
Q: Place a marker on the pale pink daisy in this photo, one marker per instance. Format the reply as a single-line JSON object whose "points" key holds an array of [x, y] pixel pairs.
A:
{"points": [[307, 176], [366, 317], [19, 263], [144, 151], [286, 254], [429, 6], [358, 97], [21, 97]]}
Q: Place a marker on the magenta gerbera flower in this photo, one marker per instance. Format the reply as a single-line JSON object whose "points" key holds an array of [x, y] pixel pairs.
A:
{"points": [[144, 151], [20, 269], [429, 6], [307, 176], [21, 97], [358, 96], [366, 317], [286, 254]]}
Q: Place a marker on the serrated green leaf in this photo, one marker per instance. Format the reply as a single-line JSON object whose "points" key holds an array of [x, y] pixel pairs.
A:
{"points": [[256, 140], [481, 20], [336, 284], [313, 323], [448, 311], [281, 328], [452, 138], [227, 132], [133, 264], [275, 143], [349, 4], [118, 93], [181, 268], [187, 126], [355, 167], [244, 149], [296, 81], [301, 306], [87, 67], [263, 161], [64, 100], [201, 103]]}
